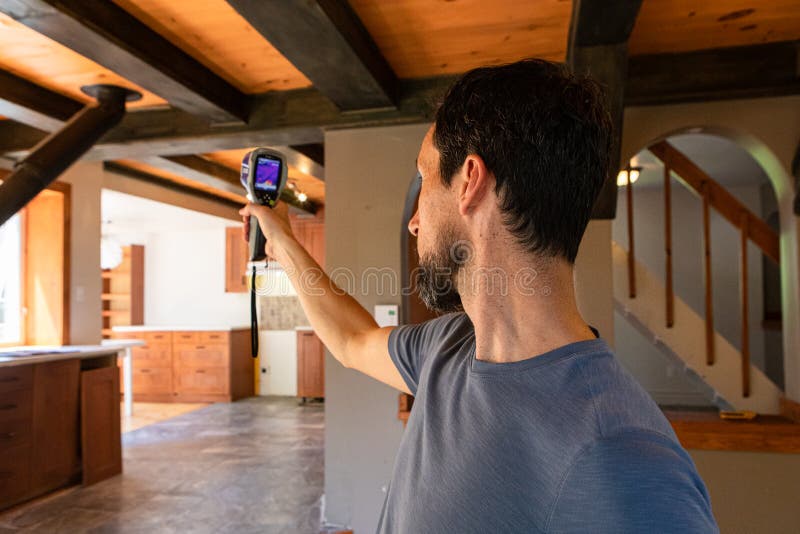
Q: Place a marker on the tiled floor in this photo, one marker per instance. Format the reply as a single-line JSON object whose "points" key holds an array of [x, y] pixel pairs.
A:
{"points": [[147, 413], [251, 466]]}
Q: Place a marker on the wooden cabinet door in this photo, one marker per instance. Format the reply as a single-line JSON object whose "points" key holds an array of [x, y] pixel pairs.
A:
{"points": [[101, 440], [55, 458], [315, 236], [310, 365], [235, 261]]}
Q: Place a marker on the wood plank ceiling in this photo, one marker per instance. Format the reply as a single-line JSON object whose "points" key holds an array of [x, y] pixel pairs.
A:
{"points": [[670, 26], [418, 39], [213, 33], [33, 56]]}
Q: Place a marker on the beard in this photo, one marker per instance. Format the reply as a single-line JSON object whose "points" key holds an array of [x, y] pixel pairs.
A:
{"points": [[437, 273]]}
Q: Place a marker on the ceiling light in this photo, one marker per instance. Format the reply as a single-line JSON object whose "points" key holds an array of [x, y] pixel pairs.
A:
{"points": [[629, 175], [302, 197]]}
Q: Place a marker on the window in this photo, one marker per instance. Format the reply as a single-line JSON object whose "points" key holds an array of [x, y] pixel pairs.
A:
{"points": [[11, 281]]}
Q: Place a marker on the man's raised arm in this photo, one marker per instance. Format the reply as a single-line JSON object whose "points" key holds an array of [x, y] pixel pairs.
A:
{"points": [[343, 325]]}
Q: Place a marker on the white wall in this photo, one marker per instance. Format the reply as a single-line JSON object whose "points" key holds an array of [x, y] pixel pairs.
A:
{"points": [[184, 279]]}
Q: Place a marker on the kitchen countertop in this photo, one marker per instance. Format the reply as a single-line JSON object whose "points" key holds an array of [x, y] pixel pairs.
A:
{"points": [[303, 328], [31, 354], [172, 328]]}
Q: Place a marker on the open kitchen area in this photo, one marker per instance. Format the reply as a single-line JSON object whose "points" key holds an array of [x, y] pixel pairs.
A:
{"points": [[169, 417]]}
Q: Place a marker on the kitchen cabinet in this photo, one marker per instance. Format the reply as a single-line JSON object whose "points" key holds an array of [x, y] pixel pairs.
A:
{"points": [[56, 425], [310, 232], [310, 365], [100, 425], [235, 261], [16, 429], [191, 365], [58, 419]]}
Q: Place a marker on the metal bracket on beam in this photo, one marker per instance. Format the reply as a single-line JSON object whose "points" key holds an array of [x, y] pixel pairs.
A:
{"points": [[54, 154]]}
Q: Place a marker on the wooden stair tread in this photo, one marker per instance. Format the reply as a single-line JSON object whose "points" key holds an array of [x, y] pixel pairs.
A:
{"points": [[705, 430]]}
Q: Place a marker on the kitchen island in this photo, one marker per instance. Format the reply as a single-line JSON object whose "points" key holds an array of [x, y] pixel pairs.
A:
{"points": [[59, 419]]}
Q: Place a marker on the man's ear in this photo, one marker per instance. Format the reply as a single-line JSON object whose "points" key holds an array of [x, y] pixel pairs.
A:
{"points": [[475, 185]]}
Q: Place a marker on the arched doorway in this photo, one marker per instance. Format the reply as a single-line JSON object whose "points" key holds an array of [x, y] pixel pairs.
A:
{"points": [[688, 226]]}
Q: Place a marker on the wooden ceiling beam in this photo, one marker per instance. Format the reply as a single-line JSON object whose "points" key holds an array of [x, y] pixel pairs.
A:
{"points": [[301, 162], [130, 172], [598, 45], [315, 151], [721, 74], [111, 37], [328, 43], [216, 175], [283, 118], [34, 105]]}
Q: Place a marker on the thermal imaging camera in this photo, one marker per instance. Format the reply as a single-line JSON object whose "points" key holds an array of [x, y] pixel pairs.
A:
{"points": [[264, 175]]}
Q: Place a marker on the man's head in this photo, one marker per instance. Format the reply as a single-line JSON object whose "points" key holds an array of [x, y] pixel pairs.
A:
{"points": [[528, 142]]}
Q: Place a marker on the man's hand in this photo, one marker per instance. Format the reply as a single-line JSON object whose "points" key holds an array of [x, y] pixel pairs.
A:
{"points": [[274, 223]]}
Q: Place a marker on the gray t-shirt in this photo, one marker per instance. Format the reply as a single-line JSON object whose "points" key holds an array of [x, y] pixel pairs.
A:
{"points": [[564, 442]]}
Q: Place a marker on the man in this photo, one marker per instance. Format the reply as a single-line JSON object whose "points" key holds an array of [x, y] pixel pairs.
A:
{"points": [[523, 420]]}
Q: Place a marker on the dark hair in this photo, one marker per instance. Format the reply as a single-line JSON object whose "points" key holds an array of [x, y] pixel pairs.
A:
{"points": [[544, 133]]}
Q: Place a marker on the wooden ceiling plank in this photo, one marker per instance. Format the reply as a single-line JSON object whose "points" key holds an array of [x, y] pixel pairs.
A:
{"points": [[108, 35], [34, 105], [740, 72], [327, 42]]}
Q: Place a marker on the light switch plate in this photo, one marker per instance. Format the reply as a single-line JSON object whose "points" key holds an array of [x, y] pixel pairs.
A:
{"points": [[386, 314]]}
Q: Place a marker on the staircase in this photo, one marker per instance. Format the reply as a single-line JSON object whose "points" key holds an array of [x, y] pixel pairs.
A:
{"points": [[684, 341], [652, 307]]}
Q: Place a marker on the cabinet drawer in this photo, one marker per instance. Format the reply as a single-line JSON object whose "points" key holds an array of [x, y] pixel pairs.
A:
{"points": [[16, 405], [152, 356], [185, 337], [15, 474], [213, 337], [154, 338], [155, 380], [206, 380], [16, 377], [14, 433], [199, 355]]}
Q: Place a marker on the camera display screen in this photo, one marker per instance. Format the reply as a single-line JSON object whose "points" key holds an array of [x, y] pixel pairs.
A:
{"points": [[268, 174]]}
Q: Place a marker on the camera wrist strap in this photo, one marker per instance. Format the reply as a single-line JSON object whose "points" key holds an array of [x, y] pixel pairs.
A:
{"points": [[253, 316]]}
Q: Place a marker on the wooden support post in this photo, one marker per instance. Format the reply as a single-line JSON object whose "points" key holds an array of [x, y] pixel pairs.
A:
{"points": [[631, 255], [670, 293], [744, 230], [708, 277]]}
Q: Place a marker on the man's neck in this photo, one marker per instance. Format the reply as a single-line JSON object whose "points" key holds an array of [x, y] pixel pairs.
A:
{"points": [[534, 313]]}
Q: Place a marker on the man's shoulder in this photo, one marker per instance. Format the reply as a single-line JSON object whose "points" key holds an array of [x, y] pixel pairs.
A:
{"points": [[638, 480]]}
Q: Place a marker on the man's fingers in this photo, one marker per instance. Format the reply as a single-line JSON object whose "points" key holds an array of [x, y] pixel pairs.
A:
{"points": [[246, 228]]}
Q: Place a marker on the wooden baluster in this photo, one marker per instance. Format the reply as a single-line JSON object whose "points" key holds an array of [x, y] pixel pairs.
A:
{"points": [[708, 278], [744, 233], [631, 256], [670, 294]]}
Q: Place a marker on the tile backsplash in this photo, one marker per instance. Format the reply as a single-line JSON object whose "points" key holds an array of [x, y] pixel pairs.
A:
{"points": [[281, 313]]}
